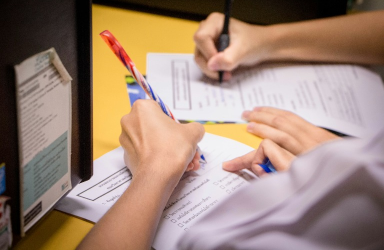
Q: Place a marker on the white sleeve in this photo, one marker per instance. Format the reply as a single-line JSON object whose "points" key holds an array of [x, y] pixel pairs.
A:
{"points": [[331, 198]]}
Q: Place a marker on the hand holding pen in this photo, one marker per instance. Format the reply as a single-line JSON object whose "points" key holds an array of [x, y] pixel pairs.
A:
{"points": [[269, 158], [248, 45], [119, 51]]}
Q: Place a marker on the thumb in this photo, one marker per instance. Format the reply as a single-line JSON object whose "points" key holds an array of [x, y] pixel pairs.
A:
{"points": [[239, 163], [226, 60], [279, 157]]}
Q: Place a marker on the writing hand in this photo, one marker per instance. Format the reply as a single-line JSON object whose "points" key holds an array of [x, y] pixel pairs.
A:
{"points": [[286, 129], [151, 139], [280, 158], [247, 47]]}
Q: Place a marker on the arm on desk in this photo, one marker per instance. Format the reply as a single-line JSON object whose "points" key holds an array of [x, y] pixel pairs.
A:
{"points": [[354, 38], [158, 151]]}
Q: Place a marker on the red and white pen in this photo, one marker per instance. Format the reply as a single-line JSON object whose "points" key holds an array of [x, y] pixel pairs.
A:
{"points": [[119, 51]]}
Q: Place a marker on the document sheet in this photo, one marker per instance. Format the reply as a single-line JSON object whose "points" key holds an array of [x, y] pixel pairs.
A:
{"points": [[345, 98], [44, 109], [196, 194]]}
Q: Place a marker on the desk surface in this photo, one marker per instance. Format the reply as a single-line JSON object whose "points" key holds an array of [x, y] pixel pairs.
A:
{"points": [[139, 33]]}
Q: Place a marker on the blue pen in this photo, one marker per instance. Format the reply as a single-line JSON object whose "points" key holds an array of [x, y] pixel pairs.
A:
{"points": [[267, 166]]}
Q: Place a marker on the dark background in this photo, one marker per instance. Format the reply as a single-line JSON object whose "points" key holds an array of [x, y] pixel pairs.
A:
{"points": [[253, 11]]}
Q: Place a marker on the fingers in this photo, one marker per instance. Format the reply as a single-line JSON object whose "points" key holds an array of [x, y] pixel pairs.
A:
{"points": [[282, 138], [150, 139], [207, 33], [279, 119], [239, 163], [227, 60], [202, 62], [206, 55], [196, 132], [210, 72], [279, 157], [286, 129], [195, 163]]}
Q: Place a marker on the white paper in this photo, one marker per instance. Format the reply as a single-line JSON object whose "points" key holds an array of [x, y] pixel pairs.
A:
{"points": [[345, 98], [195, 194], [43, 93]]}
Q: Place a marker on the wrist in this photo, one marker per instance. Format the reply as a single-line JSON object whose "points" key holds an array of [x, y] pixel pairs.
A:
{"points": [[282, 40], [266, 42], [160, 173]]}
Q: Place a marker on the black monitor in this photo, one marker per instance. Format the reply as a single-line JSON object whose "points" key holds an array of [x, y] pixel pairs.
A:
{"points": [[28, 27]]}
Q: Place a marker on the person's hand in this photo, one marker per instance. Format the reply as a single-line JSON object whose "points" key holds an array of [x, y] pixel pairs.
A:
{"points": [[280, 158], [248, 45], [286, 129], [151, 139]]}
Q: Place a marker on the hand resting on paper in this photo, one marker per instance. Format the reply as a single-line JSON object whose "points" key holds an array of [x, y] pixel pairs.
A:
{"points": [[286, 129], [286, 135]]}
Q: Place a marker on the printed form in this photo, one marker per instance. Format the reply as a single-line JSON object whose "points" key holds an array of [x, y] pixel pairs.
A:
{"points": [[344, 98], [196, 194], [44, 110]]}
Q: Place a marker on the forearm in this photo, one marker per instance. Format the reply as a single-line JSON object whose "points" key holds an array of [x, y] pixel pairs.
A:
{"points": [[131, 223], [356, 38]]}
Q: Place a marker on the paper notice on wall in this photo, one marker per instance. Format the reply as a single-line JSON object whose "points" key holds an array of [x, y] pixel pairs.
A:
{"points": [[43, 94]]}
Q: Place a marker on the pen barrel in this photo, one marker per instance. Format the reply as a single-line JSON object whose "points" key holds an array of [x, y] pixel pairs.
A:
{"points": [[223, 42]]}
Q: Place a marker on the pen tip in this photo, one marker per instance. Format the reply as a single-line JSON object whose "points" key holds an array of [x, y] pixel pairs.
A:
{"points": [[202, 159], [221, 76]]}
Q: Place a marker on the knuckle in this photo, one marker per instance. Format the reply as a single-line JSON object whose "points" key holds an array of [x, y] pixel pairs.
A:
{"points": [[288, 114], [143, 104], [278, 121], [124, 120], [284, 139], [215, 15], [266, 142], [138, 104], [200, 36]]}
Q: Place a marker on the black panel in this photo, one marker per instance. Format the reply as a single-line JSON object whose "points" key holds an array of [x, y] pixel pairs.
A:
{"points": [[252, 11], [28, 27]]}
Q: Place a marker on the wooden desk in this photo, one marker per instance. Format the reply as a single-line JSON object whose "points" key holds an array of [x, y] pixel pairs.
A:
{"points": [[139, 33]]}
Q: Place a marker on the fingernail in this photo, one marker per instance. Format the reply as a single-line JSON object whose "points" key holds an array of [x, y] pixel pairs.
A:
{"points": [[245, 115], [224, 164], [251, 126], [213, 66], [256, 108]]}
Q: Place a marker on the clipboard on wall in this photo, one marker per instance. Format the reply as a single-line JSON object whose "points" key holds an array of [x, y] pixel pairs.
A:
{"points": [[28, 28]]}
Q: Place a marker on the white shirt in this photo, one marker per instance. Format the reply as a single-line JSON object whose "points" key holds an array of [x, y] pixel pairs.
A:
{"points": [[331, 198]]}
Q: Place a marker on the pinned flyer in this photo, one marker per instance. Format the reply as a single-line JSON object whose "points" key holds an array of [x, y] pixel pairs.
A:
{"points": [[44, 108]]}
